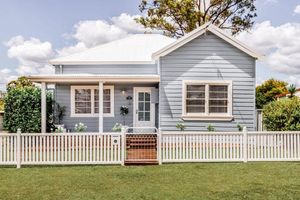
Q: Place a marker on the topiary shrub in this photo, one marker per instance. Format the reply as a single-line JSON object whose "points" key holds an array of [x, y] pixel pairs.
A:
{"points": [[23, 109], [282, 115]]}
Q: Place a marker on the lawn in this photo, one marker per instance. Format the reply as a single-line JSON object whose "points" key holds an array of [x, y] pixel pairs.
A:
{"points": [[172, 181]]}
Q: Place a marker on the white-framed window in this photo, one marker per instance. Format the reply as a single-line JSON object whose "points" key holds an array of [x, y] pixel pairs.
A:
{"points": [[85, 101], [211, 100]]}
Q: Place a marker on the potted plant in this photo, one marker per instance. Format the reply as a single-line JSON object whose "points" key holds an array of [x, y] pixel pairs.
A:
{"points": [[59, 114], [80, 127], [181, 126], [117, 127], [124, 111]]}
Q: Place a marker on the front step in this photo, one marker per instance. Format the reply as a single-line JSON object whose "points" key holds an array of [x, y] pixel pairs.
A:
{"points": [[141, 162]]}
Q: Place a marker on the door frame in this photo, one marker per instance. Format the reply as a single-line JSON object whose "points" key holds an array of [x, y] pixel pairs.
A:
{"points": [[152, 106]]}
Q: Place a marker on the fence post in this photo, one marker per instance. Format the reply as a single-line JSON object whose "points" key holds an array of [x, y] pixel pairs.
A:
{"points": [[123, 144], [18, 148], [159, 141], [245, 144]]}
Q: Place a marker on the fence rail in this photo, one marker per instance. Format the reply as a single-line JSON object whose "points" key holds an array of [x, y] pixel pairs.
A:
{"points": [[110, 148]]}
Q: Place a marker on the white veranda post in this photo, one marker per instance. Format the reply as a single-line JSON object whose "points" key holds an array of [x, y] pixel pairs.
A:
{"points": [[100, 107], [43, 107]]}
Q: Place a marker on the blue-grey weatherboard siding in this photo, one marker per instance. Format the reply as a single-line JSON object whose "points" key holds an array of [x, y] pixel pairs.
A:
{"points": [[63, 97], [132, 69], [207, 58]]}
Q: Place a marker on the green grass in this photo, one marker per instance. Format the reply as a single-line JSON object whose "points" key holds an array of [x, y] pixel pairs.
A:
{"points": [[172, 181]]}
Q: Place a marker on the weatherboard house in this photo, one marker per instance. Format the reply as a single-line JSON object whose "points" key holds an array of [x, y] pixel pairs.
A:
{"points": [[206, 77]]}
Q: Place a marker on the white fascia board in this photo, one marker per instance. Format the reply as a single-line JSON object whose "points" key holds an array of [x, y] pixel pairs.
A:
{"points": [[58, 62], [201, 30]]}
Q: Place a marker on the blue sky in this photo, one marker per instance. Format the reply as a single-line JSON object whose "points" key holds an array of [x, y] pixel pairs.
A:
{"points": [[34, 31]]}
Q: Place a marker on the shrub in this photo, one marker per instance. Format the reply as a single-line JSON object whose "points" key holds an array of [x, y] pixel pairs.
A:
{"points": [[117, 127], [181, 126], [282, 115], [210, 128], [80, 127], [23, 108], [1, 105]]}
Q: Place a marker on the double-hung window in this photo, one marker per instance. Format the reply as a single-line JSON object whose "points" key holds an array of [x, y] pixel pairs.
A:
{"points": [[207, 100], [85, 101]]}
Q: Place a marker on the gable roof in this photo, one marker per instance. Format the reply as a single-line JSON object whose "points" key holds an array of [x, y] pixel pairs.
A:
{"points": [[135, 49], [200, 31]]}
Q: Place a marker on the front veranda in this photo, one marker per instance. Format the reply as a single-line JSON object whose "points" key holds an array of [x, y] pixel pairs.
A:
{"points": [[81, 97]]}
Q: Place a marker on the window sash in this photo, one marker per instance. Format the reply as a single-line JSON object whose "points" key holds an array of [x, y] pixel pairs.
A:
{"points": [[106, 101]]}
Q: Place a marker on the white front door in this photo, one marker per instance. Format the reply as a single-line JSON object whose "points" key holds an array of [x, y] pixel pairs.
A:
{"points": [[143, 109]]}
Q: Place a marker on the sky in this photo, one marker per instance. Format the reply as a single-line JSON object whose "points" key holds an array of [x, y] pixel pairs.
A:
{"points": [[35, 31]]}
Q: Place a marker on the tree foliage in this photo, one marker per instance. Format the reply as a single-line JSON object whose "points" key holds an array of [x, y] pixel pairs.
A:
{"points": [[176, 18], [292, 90], [282, 115], [23, 107], [1, 105], [268, 91]]}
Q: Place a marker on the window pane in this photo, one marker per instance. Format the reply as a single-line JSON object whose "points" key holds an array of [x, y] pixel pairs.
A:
{"points": [[193, 109], [218, 91], [147, 106], [82, 95], [141, 106], [106, 101], [218, 98], [141, 116], [141, 96], [195, 99], [147, 116], [147, 96], [83, 101]]}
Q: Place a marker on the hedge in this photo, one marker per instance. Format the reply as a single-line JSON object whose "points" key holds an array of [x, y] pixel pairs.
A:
{"points": [[23, 110], [282, 115]]}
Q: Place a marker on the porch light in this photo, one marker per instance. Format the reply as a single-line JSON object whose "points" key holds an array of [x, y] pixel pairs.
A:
{"points": [[123, 91]]}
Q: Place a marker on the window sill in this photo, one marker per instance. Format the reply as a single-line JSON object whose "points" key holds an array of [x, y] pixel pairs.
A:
{"points": [[207, 118]]}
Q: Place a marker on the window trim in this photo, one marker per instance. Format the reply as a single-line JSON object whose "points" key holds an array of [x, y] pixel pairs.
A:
{"points": [[92, 87], [206, 115]]}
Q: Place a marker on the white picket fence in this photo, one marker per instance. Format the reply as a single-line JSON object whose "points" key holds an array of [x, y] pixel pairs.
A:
{"points": [[230, 147], [109, 148], [63, 148]]}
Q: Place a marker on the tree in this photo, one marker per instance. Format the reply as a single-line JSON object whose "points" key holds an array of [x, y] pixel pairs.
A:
{"points": [[282, 115], [176, 18], [292, 90], [268, 91], [23, 107], [1, 105]]}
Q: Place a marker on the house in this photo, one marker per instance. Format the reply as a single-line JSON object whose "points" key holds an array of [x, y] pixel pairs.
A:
{"points": [[206, 77], [288, 94]]}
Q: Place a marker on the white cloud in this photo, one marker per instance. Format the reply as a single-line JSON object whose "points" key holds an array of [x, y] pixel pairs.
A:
{"points": [[127, 23], [32, 54], [5, 77], [95, 32], [280, 43], [90, 33], [297, 9], [80, 46]]}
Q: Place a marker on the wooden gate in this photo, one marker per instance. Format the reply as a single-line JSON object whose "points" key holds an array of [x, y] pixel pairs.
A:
{"points": [[141, 146]]}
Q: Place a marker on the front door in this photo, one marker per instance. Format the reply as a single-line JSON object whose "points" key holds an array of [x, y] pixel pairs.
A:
{"points": [[144, 110]]}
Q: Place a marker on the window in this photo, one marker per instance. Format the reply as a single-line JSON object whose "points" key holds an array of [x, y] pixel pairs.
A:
{"points": [[85, 101], [211, 100]]}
